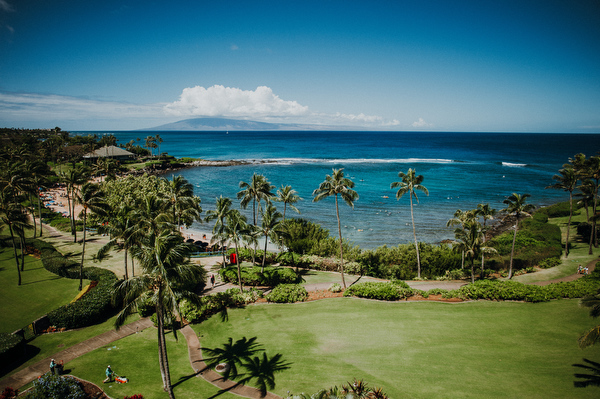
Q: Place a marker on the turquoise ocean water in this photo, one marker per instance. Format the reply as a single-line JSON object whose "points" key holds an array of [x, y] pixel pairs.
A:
{"points": [[460, 171]]}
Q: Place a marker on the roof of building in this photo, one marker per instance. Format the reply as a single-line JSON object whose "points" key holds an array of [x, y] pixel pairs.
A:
{"points": [[109, 151]]}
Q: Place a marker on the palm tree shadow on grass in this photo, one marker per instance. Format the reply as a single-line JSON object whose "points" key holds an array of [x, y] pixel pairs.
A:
{"points": [[241, 354], [592, 379]]}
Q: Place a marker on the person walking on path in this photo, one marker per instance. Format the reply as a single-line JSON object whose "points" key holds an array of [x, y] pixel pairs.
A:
{"points": [[109, 374], [212, 280], [52, 366]]}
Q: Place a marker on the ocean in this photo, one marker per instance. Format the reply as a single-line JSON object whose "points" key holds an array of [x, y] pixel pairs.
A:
{"points": [[460, 171]]}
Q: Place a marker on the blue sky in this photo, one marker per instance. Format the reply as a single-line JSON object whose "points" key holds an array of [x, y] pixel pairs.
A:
{"points": [[524, 66]]}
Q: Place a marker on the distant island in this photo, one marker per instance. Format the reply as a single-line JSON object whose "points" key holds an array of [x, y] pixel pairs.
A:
{"points": [[224, 124]]}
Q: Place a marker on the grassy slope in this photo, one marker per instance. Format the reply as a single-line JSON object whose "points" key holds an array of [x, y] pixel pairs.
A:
{"points": [[419, 350], [39, 293], [578, 254]]}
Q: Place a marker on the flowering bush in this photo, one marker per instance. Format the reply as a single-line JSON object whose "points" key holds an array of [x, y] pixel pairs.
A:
{"points": [[51, 386]]}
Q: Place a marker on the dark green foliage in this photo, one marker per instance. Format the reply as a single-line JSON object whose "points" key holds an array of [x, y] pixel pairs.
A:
{"points": [[584, 229], [253, 276], [216, 303], [549, 262], [558, 210], [93, 307], [514, 291], [51, 386], [287, 293], [383, 291], [302, 235]]}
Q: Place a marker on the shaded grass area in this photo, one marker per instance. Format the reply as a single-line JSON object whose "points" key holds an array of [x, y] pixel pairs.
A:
{"points": [[419, 350], [136, 357], [40, 292]]}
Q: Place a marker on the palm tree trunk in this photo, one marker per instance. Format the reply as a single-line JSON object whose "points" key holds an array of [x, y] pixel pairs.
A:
{"points": [[33, 216], [82, 251], [337, 212], [162, 349], [569, 223], [22, 243], [412, 217], [512, 251], [239, 269], [262, 270], [40, 213], [12, 236], [472, 270], [126, 276]]}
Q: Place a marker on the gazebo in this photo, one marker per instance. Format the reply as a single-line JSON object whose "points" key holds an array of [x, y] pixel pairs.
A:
{"points": [[112, 152]]}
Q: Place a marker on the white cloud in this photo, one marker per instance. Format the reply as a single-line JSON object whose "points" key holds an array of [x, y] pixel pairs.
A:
{"points": [[421, 124], [234, 47], [233, 102]]}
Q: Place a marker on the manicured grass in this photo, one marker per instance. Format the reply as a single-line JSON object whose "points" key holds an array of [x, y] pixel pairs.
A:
{"points": [[136, 357], [315, 277], [40, 291], [419, 350]]}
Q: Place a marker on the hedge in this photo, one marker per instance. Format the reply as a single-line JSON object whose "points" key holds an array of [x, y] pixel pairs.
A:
{"points": [[382, 291], [253, 276], [92, 308], [287, 293], [216, 303]]}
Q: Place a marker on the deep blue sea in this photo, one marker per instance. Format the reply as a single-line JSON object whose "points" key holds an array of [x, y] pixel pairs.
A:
{"points": [[460, 171]]}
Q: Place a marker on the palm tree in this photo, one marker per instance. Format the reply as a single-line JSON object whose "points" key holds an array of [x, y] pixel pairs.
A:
{"points": [[121, 230], [219, 215], [516, 205], [151, 144], [287, 195], [263, 370], [258, 189], [337, 185], [566, 181], [270, 223], [91, 198], [487, 213], [181, 201], [73, 178], [411, 182], [158, 140], [12, 216], [164, 259], [236, 229], [461, 218], [470, 239]]}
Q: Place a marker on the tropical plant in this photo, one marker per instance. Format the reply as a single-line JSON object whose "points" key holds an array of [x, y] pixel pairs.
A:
{"points": [[236, 229], [566, 180], [180, 200], [486, 213], [516, 206], [219, 215], [269, 226], [164, 260], [411, 182], [288, 196], [91, 198], [337, 185]]}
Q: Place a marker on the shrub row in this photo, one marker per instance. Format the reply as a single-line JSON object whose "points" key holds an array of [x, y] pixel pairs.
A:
{"points": [[252, 276], [382, 291], [216, 303], [287, 293], [93, 307], [515, 291]]}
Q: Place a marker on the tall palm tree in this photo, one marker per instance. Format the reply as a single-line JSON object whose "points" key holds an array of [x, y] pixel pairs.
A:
{"points": [[181, 201], [566, 180], [12, 216], [270, 223], [411, 182], [219, 215], [288, 196], [72, 179], [486, 213], [158, 140], [91, 198], [517, 206], [461, 218], [258, 189], [592, 169], [470, 241], [235, 230], [337, 185], [121, 227], [164, 260]]}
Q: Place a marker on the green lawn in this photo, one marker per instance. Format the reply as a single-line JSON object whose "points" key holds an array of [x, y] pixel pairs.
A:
{"points": [[40, 291], [136, 357], [419, 350]]}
